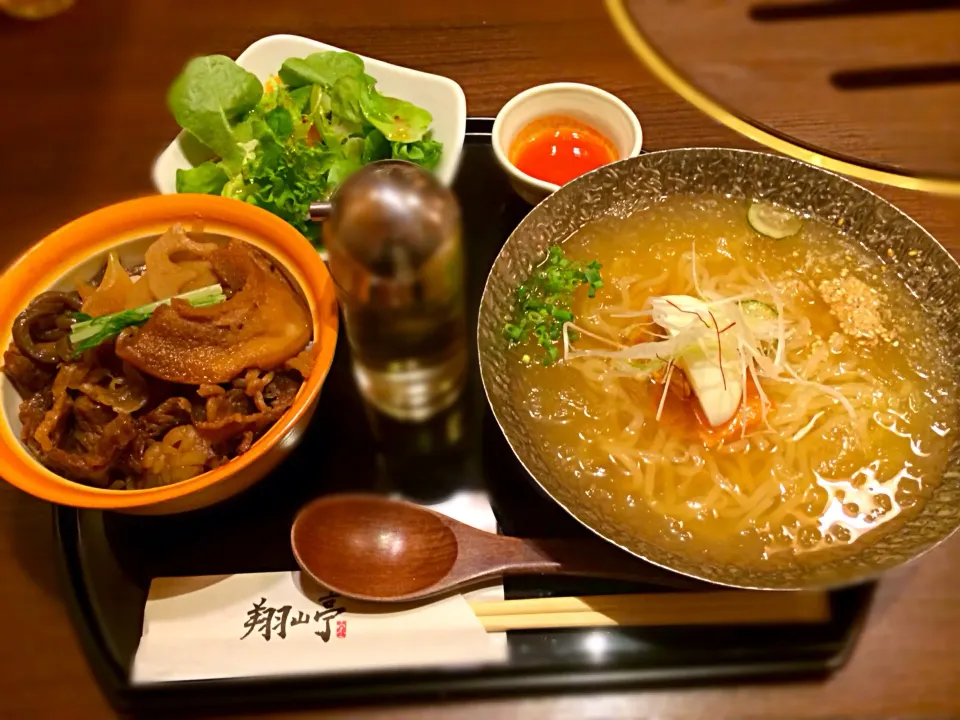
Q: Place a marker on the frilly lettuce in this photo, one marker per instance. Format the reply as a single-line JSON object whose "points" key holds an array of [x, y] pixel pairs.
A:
{"points": [[293, 143]]}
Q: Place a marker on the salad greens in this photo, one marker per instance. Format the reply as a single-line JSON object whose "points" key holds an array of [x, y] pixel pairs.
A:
{"points": [[88, 332], [207, 178], [322, 68], [291, 143], [543, 302], [212, 98]]}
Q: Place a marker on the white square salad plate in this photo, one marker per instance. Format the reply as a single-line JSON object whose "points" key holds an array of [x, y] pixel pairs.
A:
{"points": [[441, 97]]}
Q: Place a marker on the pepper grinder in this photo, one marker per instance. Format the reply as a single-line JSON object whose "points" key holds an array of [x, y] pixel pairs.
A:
{"points": [[394, 249]]}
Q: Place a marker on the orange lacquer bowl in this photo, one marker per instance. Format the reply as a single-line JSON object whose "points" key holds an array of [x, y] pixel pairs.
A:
{"points": [[77, 251]]}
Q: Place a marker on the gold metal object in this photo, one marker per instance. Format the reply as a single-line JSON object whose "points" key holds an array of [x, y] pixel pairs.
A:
{"points": [[668, 75], [35, 9]]}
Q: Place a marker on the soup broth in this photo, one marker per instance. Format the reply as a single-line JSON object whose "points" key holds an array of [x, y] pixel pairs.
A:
{"points": [[847, 410]]}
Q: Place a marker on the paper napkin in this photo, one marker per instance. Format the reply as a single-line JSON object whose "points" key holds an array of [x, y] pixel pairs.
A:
{"points": [[280, 623]]}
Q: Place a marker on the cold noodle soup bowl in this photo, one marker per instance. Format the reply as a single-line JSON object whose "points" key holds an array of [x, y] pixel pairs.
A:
{"points": [[857, 220]]}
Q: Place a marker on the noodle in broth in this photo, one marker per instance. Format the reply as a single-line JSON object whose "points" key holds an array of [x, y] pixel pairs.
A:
{"points": [[845, 419]]}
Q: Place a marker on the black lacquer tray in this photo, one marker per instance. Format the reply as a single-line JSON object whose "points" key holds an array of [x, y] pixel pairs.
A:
{"points": [[108, 559]]}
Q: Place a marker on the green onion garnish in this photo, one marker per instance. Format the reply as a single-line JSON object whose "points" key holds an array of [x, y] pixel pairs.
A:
{"points": [[543, 302], [89, 333]]}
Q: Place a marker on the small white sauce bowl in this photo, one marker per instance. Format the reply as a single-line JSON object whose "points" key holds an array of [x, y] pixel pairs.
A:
{"points": [[599, 109]]}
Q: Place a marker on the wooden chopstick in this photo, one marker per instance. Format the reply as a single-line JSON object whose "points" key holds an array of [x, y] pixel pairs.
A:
{"points": [[656, 609]]}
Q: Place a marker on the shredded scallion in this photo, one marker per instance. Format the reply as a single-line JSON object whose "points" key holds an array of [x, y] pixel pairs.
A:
{"points": [[89, 332], [543, 302]]}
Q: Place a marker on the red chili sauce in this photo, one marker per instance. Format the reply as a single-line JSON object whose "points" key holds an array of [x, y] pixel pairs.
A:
{"points": [[557, 149]]}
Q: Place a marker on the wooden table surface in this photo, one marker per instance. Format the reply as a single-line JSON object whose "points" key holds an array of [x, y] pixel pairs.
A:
{"points": [[877, 83], [83, 118]]}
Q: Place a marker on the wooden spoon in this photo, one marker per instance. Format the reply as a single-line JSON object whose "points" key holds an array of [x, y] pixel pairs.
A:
{"points": [[371, 548]]}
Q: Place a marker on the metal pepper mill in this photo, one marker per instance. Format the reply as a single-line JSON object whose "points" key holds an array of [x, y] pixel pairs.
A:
{"points": [[394, 248]]}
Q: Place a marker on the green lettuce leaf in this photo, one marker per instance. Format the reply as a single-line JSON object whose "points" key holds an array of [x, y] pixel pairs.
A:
{"points": [[300, 99], [353, 149], [322, 68], [425, 153], [342, 168], [236, 188], [209, 98], [375, 147], [208, 179], [294, 102], [331, 130], [398, 120], [345, 103], [348, 162], [280, 122]]}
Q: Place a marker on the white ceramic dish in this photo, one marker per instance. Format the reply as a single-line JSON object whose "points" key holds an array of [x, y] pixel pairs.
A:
{"points": [[442, 97], [597, 108]]}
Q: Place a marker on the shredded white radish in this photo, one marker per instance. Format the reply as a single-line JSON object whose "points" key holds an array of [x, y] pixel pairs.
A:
{"points": [[702, 330], [666, 387], [721, 301], [638, 313], [588, 333], [781, 322], [743, 397], [693, 270], [764, 400], [660, 349], [825, 389], [802, 432]]}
